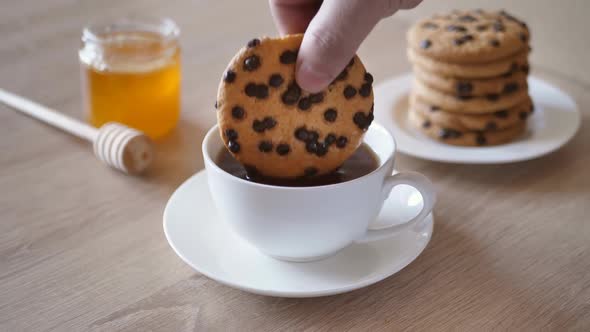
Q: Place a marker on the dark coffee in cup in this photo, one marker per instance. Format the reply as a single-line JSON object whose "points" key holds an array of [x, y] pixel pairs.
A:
{"points": [[362, 162]]}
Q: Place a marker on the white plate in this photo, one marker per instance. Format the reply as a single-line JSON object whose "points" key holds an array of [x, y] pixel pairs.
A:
{"points": [[205, 242], [554, 122]]}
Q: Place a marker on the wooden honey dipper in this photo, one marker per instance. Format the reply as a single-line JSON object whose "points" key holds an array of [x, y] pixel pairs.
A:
{"points": [[117, 145]]}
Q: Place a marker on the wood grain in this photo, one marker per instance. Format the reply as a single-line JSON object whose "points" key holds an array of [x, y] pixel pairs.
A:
{"points": [[82, 247]]}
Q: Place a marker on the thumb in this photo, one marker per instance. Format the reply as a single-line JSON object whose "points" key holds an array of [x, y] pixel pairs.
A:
{"points": [[334, 35], [331, 40]]}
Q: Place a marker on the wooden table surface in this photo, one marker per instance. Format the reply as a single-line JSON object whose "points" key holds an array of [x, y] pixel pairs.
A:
{"points": [[82, 246]]}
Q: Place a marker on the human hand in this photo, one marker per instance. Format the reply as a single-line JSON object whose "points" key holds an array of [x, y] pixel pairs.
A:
{"points": [[334, 30]]}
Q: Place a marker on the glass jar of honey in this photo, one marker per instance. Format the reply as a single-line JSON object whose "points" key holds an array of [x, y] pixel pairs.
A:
{"points": [[131, 74]]}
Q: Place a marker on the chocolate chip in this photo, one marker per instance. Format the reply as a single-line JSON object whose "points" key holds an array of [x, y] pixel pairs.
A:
{"points": [[265, 146], [493, 96], [231, 134], [251, 90], [365, 90], [350, 63], [215, 104], [321, 150], [288, 57], [341, 142], [462, 40], [430, 25], [506, 74], [310, 171], [480, 139], [434, 108], [370, 119], [467, 18], [313, 136], [459, 41], [283, 149], [446, 133], [253, 43], [510, 87], [311, 147], [464, 97], [304, 103], [532, 108], [237, 112], [258, 126], [316, 97], [499, 27], [330, 139], [456, 28], [269, 122], [349, 92], [491, 126], [495, 43], [481, 27], [464, 88], [362, 121], [229, 76], [426, 124], [514, 67], [343, 75], [523, 37], [523, 115], [261, 91], [291, 96], [501, 114], [275, 80], [425, 44], [251, 63], [233, 146], [330, 115], [369, 78], [301, 134], [525, 69]]}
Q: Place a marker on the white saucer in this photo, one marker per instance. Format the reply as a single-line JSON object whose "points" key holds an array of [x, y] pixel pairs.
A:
{"points": [[554, 122], [205, 242]]}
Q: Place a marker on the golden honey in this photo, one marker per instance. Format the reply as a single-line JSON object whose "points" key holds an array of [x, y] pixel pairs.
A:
{"points": [[131, 74]]}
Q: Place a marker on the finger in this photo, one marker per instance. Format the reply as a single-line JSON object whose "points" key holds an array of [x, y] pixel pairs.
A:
{"points": [[331, 40], [293, 16], [335, 34]]}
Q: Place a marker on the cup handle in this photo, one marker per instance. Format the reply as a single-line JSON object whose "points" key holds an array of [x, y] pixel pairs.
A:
{"points": [[413, 179]]}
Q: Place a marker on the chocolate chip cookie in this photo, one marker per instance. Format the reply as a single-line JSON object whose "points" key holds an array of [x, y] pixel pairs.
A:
{"points": [[469, 37], [503, 67], [502, 85], [471, 122], [467, 104], [465, 138], [277, 129]]}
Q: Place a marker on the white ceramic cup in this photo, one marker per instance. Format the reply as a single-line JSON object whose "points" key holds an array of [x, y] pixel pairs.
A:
{"points": [[309, 223]]}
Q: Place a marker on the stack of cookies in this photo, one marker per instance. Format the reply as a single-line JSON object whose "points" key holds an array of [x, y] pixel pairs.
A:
{"points": [[470, 71]]}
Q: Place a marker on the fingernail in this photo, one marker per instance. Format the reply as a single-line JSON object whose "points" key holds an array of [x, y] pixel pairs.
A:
{"points": [[311, 79]]}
